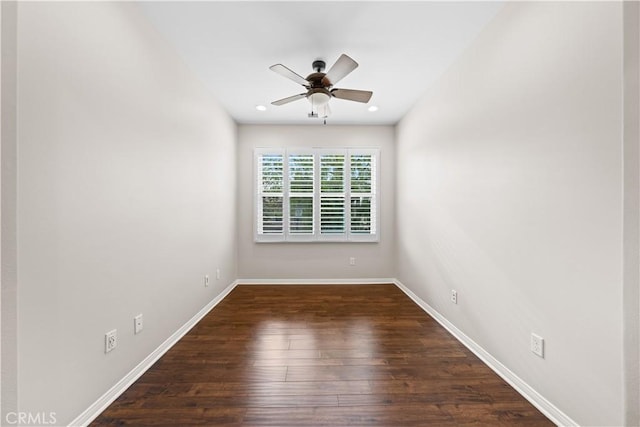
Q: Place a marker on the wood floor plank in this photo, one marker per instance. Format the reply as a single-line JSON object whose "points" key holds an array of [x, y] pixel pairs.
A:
{"points": [[340, 355], [405, 415]]}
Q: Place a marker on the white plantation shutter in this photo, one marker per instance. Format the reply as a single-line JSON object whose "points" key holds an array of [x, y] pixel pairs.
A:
{"points": [[363, 193], [317, 195], [270, 195], [301, 194], [332, 194]]}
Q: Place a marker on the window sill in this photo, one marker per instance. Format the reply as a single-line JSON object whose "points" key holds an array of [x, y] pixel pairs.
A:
{"points": [[305, 241]]}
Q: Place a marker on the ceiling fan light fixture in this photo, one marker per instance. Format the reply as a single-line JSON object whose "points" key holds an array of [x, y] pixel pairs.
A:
{"points": [[373, 108], [319, 99], [261, 108]]}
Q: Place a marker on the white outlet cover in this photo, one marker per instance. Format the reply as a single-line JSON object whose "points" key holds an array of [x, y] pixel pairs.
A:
{"points": [[110, 340], [137, 324], [537, 345]]}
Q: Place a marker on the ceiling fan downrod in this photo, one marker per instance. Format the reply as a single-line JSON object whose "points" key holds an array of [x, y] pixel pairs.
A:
{"points": [[318, 65]]}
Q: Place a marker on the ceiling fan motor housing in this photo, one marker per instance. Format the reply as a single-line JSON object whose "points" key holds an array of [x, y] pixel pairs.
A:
{"points": [[318, 80]]}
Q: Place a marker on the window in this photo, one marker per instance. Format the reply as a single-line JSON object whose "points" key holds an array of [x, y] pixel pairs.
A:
{"points": [[316, 195]]}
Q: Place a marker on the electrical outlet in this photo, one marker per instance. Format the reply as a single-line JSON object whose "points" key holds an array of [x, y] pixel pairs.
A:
{"points": [[206, 280], [352, 261], [217, 274], [137, 324], [537, 345], [454, 296], [110, 340]]}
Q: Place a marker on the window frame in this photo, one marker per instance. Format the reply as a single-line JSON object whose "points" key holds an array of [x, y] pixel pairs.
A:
{"points": [[286, 236]]}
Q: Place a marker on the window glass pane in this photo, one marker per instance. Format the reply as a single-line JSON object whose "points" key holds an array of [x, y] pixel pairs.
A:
{"points": [[301, 173], [361, 215], [272, 173], [301, 215], [332, 173], [271, 215], [332, 215], [361, 173]]}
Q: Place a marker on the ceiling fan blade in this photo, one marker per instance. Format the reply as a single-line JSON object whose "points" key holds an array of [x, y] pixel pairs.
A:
{"points": [[285, 72], [343, 66], [289, 99], [352, 94]]}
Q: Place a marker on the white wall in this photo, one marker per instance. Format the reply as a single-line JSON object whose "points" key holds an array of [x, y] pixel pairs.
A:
{"points": [[314, 260], [126, 198], [509, 190], [631, 244], [8, 291]]}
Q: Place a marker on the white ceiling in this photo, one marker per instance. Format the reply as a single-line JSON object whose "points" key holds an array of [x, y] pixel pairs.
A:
{"points": [[402, 48]]}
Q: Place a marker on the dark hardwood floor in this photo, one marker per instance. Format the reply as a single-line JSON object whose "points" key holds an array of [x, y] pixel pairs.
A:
{"points": [[361, 355]]}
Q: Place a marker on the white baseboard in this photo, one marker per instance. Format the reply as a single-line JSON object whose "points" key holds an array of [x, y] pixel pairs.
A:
{"points": [[316, 281], [92, 412], [547, 408]]}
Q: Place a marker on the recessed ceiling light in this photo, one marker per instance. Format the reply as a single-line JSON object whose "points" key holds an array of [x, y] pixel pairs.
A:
{"points": [[261, 108], [373, 108]]}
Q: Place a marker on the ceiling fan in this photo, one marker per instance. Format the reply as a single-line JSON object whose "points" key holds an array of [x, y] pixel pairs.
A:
{"points": [[319, 85]]}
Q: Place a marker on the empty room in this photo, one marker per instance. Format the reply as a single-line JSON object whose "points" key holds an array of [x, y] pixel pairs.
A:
{"points": [[311, 213]]}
